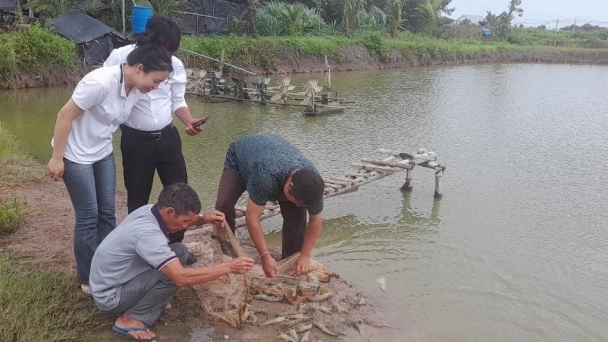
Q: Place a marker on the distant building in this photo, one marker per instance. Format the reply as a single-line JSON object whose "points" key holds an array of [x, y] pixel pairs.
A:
{"points": [[467, 18]]}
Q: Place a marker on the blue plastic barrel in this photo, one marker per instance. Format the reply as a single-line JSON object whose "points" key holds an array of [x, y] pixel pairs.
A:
{"points": [[141, 15]]}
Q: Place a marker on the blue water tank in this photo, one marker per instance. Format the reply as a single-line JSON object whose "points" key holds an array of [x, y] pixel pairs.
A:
{"points": [[141, 15]]}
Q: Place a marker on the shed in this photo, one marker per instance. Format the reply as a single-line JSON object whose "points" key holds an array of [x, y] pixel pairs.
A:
{"points": [[473, 19], [95, 38]]}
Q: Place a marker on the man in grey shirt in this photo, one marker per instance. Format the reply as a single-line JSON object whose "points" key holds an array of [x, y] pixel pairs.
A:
{"points": [[136, 273]]}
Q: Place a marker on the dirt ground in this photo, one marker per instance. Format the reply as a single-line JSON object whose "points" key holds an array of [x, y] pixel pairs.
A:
{"points": [[47, 235]]}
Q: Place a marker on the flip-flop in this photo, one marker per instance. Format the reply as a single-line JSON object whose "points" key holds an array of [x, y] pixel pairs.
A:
{"points": [[125, 333]]}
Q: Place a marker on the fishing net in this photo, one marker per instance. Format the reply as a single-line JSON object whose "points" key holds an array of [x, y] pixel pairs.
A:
{"points": [[229, 299]]}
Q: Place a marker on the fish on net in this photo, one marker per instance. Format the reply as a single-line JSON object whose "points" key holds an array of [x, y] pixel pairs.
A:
{"points": [[228, 299]]}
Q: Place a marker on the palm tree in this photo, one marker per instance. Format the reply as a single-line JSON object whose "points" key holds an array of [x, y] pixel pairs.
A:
{"points": [[350, 10], [395, 14], [431, 12], [291, 17]]}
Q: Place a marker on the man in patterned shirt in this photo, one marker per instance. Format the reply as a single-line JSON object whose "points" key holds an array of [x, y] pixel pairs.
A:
{"points": [[270, 168]]}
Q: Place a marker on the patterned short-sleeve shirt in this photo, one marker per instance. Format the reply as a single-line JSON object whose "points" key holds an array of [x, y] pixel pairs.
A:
{"points": [[264, 162]]}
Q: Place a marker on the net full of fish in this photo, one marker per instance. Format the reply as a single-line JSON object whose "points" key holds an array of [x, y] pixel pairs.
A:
{"points": [[230, 299]]}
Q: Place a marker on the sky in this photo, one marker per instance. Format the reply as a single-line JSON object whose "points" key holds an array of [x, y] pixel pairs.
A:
{"points": [[539, 12]]}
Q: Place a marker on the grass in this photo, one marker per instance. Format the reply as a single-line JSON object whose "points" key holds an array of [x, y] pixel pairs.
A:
{"points": [[12, 215], [37, 49], [17, 167], [266, 52], [37, 304]]}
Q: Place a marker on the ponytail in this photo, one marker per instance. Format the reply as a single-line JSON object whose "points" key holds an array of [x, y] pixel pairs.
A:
{"points": [[145, 37], [151, 56], [163, 31]]}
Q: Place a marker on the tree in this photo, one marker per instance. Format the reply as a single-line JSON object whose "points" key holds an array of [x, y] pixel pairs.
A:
{"points": [[350, 10], [430, 11], [395, 15], [415, 21], [502, 23], [292, 18]]}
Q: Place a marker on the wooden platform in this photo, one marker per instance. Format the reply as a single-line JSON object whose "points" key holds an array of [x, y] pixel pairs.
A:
{"points": [[323, 111]]}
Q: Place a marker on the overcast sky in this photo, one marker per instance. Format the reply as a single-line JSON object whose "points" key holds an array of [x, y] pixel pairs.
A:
{"points": [[540, 11]]}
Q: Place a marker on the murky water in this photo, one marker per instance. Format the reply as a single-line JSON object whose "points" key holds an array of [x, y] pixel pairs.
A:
{"points": [[516, 249]]}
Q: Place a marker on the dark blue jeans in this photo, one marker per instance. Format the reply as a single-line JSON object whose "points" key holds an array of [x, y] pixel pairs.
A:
{"points": [[92, 189]]}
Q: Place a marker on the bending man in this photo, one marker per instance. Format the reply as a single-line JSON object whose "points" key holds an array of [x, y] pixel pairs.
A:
{"points": [[136, 273], [272, 169]]}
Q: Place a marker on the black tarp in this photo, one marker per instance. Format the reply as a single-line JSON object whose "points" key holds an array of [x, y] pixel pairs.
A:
{"points": [[94, 37], [7, 5], [211, 17]]}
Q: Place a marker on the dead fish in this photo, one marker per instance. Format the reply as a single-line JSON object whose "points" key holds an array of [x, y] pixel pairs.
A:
{"points": [[268, 298], [286, 338], [303, 327], [305, 336], [323, 328], [251, 318], [319, 307], [292, 332], [377, 325], [287, 313], [359, 327], [260, 311], [321, 297], [337, 306], [380, 279], [273, 321]]}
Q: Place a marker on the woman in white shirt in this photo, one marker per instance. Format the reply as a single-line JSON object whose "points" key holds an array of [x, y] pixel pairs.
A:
{"points": [[150, 142], [82, 142]]}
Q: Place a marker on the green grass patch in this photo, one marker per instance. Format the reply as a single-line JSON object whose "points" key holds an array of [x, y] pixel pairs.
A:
{"points": [[418, 49], [35, 50], [39, 305], [12, 215]]}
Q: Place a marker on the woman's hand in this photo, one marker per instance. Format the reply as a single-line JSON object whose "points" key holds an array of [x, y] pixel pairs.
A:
{"points": [[56, 168]]}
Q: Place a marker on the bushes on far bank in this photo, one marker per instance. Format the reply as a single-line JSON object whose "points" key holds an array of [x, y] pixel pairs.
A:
{"points": [[35, 49]]}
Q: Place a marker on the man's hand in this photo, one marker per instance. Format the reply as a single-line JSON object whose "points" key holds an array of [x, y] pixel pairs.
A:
{"points": [[190, 130], [303, 265], [56, 168], [213, 216], [269, 265], [241, 265]]}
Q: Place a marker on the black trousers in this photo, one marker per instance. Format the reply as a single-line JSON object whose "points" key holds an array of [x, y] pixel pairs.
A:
{"points": [[146, 152], [294, 218]]}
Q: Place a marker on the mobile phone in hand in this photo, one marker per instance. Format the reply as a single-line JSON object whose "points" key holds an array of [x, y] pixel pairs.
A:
{"points": [[200, 123]]}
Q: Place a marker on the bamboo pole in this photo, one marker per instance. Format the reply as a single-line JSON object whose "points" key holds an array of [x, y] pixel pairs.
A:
{"points": [[217, 60]]}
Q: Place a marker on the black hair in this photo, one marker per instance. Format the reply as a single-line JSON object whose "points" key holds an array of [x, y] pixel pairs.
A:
{"points": [[166, 33], [308, 187], [148, 53], [181, 197]]}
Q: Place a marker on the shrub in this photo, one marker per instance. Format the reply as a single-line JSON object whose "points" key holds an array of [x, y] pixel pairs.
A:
{"points": [[12, 215]]}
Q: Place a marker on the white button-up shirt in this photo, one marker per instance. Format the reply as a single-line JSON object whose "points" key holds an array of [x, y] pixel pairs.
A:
{"points": [[101, 94], [153, 111]]}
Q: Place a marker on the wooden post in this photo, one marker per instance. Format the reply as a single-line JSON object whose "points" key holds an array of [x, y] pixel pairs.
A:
{"points": [[555, 39], [438, 176], [407, 186], [123, 18]]}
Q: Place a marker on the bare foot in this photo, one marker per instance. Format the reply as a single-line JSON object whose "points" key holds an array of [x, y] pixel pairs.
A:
{"points": [[125, 322], [168, 307]]}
